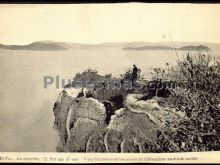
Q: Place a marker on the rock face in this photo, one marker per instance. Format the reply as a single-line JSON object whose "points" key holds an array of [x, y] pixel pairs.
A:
{"points": [[82, 127]]}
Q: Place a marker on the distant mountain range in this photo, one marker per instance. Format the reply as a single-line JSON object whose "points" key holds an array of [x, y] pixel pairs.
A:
{"points": [[36, 46], [185, 48], [56, 46]]}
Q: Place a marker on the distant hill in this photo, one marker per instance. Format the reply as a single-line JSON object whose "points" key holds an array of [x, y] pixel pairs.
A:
{"points": [[42, 45], [186, 48], [52, 46], [149, 48], [195, 48]]}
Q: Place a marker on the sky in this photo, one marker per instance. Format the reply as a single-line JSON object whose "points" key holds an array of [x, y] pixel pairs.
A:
{"points": [[97, 23]]}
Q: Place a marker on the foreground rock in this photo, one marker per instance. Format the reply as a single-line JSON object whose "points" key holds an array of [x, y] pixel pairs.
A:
{"points": [[82, 126]]}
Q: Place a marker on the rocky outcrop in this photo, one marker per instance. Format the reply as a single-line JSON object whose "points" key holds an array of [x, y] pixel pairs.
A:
{"points": [[82, 125]]}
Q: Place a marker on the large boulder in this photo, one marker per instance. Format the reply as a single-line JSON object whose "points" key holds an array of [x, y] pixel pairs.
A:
{"points": [[77, 121], [158, 114], [130, 132]]}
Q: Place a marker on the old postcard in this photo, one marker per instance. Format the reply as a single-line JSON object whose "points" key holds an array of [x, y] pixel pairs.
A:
{"points": [[81, 83]]}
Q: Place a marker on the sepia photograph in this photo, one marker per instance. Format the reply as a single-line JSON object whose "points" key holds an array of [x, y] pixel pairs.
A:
{"points": [[138, 79]]}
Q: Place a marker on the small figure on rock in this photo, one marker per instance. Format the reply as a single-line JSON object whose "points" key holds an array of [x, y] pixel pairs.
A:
{"points": [[134, 73], [82, 94]]}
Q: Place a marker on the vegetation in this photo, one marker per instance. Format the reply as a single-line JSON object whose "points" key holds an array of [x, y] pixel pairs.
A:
{"points": [[199, 98]]}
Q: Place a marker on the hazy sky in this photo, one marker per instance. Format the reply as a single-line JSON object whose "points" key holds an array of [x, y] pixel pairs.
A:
{"points": [[86, 23]]}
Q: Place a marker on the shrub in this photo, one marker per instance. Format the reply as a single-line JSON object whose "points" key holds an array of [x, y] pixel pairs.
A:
{"points": [[200, 100], [102, 87], [128, 75]]}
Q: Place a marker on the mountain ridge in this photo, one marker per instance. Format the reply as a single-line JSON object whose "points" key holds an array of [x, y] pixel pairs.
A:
{"points": [[156, 47], [54, 46]]}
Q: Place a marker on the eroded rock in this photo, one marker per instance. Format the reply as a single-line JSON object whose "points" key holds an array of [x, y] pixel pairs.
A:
{"points": [[86, 125]]}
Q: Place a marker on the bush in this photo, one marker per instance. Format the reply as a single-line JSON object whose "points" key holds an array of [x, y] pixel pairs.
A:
{"points": [[128, 75], [90, 76], [101, 86], [200, 100]]}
